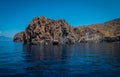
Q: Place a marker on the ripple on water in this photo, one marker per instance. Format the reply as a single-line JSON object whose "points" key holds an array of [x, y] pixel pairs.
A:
{"points": [[85, 60]]}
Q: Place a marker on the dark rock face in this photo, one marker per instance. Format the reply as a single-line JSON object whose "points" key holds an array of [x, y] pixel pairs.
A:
{"points": [[111, 39], [19, 37], [42, 30], [46, 31]]}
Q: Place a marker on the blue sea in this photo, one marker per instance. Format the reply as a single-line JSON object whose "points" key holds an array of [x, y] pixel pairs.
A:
{"points": [[78, 60]]}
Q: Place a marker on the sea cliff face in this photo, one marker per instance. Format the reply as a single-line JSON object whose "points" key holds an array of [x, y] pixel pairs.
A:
{"points": [[42, 30]]}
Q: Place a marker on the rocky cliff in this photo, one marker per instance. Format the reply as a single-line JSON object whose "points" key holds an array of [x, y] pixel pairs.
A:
{"points": [[105, 32], [42, 30]]}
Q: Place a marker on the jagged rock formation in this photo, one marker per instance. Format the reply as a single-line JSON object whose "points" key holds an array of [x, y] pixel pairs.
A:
{"points": [[42, 30]]}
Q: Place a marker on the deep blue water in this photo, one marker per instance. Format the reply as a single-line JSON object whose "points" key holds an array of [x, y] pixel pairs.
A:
{"points": [[79, 60]]}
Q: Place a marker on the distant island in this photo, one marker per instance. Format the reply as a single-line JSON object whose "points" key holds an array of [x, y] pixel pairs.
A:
{"points": [[42, 30], [4, 38]]}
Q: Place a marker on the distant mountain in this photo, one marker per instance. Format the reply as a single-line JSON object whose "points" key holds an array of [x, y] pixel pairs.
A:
{"points": [[4, 38]]}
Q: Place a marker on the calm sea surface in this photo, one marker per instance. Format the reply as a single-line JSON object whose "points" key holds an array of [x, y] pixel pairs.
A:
{"points": [[79, 60]]}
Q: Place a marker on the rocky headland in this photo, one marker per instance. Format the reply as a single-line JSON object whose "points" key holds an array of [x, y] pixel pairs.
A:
{"points": [[44, 31]]}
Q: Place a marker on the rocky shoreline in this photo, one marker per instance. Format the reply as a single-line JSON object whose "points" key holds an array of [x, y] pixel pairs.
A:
{"points": [[44, 31]]}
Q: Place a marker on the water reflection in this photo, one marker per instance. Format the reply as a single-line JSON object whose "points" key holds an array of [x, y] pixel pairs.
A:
{"points": [[46, 52], [79, 60], [102, 59], [46, 59]]}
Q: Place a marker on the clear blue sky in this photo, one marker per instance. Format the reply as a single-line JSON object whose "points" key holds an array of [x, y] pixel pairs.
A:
{"points": [[15, 15]]}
